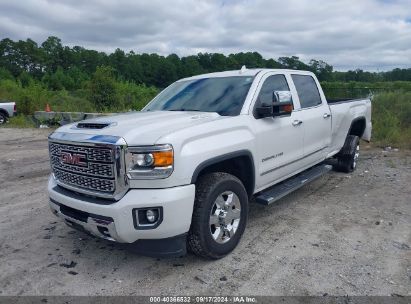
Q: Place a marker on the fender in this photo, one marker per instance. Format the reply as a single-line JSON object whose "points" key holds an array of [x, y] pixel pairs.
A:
{"points": [[5, 113], [360, 118], [224, 157]]}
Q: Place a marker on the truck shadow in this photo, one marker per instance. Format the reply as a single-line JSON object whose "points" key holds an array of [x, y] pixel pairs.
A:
{"points": [[259, 217]]}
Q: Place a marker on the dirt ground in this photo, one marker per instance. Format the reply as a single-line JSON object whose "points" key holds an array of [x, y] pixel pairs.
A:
{"points": [[340, 235]]}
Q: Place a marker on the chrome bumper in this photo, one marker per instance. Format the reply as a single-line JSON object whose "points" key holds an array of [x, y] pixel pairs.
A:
{"points": [[96, 225]]}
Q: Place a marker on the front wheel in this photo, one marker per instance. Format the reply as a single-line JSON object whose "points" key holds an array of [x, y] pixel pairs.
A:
{"points": [[219, 216]]}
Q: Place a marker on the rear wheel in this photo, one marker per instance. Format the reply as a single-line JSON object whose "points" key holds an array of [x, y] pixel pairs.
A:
{"points": [[347, 158], [3, 118], [219, 215]]}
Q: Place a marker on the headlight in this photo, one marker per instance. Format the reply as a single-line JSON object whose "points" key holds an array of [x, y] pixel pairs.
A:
{"points": [[150, 162]]}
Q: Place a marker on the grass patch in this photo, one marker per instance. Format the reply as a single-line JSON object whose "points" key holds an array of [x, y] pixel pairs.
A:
{"points": [[391, 117], [34, 96], [20, 121]]}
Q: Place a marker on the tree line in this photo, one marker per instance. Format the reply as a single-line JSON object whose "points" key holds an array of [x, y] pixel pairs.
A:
{"points": [[63, 67]]}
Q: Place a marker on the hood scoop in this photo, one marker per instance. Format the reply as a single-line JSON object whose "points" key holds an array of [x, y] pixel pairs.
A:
{"points": [[93, 125]]}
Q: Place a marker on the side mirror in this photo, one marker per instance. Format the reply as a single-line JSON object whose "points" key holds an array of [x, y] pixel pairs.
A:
{"points": [[282, 103], [282, 96], [264, 110]]}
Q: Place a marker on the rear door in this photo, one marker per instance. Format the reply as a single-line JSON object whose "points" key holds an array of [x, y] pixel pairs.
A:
{"points": [[316, 118], [279, 139]]}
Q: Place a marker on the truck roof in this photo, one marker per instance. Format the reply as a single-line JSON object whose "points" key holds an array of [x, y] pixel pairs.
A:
{"points": [[243, 72]]}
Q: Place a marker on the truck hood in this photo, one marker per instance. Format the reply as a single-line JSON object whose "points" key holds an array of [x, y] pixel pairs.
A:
{"points": [[143, 128]]}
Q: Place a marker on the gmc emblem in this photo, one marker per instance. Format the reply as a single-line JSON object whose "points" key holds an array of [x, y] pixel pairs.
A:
{"points": [[71, 158]]}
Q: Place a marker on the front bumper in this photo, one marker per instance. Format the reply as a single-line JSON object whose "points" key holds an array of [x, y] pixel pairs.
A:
{"points": [[114, 220]]}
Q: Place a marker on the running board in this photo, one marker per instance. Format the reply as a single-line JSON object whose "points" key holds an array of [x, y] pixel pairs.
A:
{"points": [[280, 190]]}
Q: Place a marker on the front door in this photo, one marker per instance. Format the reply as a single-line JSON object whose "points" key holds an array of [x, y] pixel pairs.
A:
{"points": [[279, 139]]}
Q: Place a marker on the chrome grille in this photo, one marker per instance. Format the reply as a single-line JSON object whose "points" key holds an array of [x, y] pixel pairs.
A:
{"points": [[93, 153], [96, 175], [94, 169], [96, 184]]}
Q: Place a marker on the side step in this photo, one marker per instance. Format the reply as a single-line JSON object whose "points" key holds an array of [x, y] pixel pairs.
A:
{"points": [[280, 190]]}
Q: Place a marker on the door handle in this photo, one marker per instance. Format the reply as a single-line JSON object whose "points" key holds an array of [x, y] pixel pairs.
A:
{"points": [[297, 123], [327, 115]]}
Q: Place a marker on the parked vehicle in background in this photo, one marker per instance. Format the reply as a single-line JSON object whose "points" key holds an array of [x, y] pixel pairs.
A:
{"points": [[183, 170], [7, 110]]}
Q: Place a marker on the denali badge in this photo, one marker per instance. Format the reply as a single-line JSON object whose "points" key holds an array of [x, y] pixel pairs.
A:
{"points": [[71, 158]]}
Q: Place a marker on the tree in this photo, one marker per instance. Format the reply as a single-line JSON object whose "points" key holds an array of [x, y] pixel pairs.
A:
{"points": [[322, 69], [293, 63], [118, 61], [165, 74], [176, 61], [71, 68], [249, 59], [103, 88], [191, 66], [133, 70], [9, 57], [5, 74], [78, 78], [58, 80], [25, 79], [53, 53]]}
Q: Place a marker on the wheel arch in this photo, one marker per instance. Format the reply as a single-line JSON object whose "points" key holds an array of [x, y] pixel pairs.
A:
{"points": [[238, 163], [358, 126], [2, 111]]}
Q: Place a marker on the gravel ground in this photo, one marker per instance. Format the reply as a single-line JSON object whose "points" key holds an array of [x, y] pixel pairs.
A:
{"points": [[342, 234]]}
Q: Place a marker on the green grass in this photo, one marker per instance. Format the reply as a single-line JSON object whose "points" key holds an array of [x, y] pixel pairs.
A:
{"points": [[35, 96], [20, 121], [352, 89], [391, 117]]}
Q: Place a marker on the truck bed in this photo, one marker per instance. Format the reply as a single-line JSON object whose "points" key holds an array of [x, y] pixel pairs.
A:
{"points": [[8, 108], [342, 100], [344, 112]]}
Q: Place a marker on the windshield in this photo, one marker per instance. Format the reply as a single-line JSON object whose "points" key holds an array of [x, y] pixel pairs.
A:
{"points": [[224, 95]]}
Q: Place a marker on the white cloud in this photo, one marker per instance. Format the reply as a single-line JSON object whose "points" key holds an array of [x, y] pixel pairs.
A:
{"points": [[370, 34]]}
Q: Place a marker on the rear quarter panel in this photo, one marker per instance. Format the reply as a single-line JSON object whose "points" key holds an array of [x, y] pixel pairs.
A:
{"points": [[343, 114], [8, 107]]}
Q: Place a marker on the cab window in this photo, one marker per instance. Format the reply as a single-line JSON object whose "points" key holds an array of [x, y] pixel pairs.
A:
{"points": [[271, 84], [307, 91]]}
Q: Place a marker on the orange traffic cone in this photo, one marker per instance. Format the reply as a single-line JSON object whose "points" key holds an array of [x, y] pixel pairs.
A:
{"points": [[48, 108]]}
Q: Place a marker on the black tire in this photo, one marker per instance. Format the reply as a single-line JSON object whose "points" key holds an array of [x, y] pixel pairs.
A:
{"points": [[3, 118], [200, 238], [348, 156]]}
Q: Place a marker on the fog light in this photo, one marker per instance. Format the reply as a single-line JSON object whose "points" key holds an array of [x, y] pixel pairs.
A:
{"points": [[147, 218], [151, 215]]}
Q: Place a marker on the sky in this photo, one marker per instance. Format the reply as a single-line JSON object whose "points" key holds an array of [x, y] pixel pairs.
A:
{"points": [[369, 34]]}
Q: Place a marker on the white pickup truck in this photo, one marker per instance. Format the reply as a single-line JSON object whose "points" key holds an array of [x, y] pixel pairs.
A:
{"points": [[7, 110], [182, 172]]}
